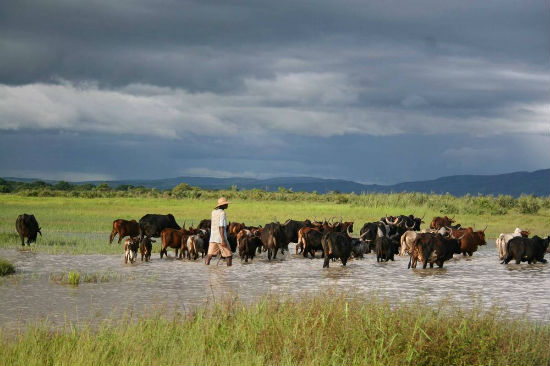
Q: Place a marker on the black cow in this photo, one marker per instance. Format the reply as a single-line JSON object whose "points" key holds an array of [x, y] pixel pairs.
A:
{"points": [[291, 227], [444, 249], [527, 250], [313, 243], [205, 224], [336, 245], [385, 249], [248, 246], [151, 225], [359, 248], [273, 238], [27, 227]]}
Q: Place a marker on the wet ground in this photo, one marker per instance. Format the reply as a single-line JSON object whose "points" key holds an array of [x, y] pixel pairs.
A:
{"points": [[32, 295]]}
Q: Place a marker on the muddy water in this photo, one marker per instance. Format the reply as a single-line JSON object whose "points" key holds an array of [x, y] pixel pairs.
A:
{"points": [[31, 295]]}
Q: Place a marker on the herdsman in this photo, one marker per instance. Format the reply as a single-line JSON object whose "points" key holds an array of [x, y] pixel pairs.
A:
{"points": [[218, 233]]}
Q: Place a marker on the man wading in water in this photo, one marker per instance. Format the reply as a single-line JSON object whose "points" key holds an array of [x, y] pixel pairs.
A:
{"points": [[218, 234]]}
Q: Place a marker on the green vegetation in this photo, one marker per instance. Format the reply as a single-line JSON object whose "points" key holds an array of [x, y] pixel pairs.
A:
{"points": [[82, 225], [75, 278], [321, 330], [6, 267]]}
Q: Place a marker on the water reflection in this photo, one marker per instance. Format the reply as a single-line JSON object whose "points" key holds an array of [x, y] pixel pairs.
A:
{"points": [[181, 285]]}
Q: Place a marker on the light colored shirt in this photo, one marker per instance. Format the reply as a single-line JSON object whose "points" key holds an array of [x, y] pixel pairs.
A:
{"points": [[218, 219]]}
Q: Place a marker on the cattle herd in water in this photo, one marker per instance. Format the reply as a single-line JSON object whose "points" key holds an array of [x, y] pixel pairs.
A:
{"points": [[390, 236]]}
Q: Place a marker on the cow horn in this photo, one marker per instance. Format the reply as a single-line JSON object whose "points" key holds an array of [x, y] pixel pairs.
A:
{"points": [[397, 219], [461, 237], [341, 219], [347, 231], [485, 228], [364, 235], [183, 223]]}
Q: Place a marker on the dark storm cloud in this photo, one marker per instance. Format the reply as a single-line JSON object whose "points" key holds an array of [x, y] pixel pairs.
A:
{"points": [[278, 79], [390, 159]]}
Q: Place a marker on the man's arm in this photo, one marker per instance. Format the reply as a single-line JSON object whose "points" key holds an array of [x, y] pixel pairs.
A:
{"points": [[224, 242]]}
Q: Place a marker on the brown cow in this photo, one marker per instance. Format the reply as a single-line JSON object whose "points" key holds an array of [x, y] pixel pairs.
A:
{"points": [[124, 228], [471, 239], [438, 222], [234, 228], [173, 238]]}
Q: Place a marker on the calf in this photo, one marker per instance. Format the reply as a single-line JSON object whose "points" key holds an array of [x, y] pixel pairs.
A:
{"points": [[196, 244], [145, 248], [248, 246], [526, 250], [131, 246]]}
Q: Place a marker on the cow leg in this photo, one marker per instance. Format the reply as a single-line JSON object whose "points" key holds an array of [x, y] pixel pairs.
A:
{"points": [[326, 262], [431, 265], [275, 254], [269, 254], [22, 239], [344, 261], [470, 254], [119, 238], [424, 264], [410, 262]]}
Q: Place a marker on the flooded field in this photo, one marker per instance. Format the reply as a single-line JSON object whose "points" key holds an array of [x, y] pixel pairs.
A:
{"points": [[32, 295]]}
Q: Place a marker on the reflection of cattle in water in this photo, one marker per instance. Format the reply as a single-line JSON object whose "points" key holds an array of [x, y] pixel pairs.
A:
{"points": [[124, 228], [27, 227], [526, 250]]}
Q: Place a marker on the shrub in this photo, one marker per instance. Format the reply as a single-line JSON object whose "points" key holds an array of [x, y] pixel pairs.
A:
{"points": [[528, 204]]}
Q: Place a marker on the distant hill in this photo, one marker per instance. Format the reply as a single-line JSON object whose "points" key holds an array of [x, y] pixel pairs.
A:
{"points": [[515, 184]]}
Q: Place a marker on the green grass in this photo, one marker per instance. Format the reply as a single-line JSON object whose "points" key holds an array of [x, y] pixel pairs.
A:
{"points": [[6, 267], [75, 278], [332, 329], [83, 225]]}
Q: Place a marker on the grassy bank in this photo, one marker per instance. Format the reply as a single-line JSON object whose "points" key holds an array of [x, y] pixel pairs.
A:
{"points": [[321, 330], [83, 225]]}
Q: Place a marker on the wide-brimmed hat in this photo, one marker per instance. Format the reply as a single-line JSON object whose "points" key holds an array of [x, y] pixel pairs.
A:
{"points": [[222, 201]]}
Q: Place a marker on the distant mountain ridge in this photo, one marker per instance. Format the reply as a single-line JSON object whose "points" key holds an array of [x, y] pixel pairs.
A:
{"points": [[515, 184]]}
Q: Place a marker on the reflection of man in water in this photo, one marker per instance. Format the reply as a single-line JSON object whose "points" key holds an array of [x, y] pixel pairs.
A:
{"points": [[218, 233]]}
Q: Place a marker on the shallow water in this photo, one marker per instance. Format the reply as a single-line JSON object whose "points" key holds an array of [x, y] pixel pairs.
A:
{"points": [[31, 295]]}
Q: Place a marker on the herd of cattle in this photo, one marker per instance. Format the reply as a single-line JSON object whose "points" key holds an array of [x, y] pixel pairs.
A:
{"points": [[391, 235]]}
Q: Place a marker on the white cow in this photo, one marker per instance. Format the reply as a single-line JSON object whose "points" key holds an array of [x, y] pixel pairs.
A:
{"points": [[503, 239], [408, 240]]}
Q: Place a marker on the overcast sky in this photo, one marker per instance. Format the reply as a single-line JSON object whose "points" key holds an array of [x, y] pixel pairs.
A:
{"points": [[371, 91]]}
